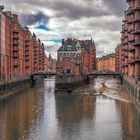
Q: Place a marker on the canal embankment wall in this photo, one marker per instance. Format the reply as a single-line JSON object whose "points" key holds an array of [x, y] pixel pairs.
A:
{"points": [[70, 82], [9, 89], [133, 88], [68, 86]]}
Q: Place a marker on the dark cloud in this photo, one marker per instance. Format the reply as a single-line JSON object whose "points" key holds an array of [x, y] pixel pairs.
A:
{"points": [[116, 7], [106, 15], [76, 11], [27, 19]]}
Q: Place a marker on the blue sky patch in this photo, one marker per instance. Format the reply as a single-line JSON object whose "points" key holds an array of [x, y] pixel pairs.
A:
{"points": [[43, 27]]}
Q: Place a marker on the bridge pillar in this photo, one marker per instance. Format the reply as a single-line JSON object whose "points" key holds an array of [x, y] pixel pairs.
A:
{"points": [[32, 80], [87, 80], [121, 78]]}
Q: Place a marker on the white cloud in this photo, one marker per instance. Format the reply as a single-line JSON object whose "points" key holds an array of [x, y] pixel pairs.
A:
{"points": [[99, 19]]}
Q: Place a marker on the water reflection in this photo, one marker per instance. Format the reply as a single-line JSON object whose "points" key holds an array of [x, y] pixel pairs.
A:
{"points": [[21, 114], [72, 111], [39, 114]]}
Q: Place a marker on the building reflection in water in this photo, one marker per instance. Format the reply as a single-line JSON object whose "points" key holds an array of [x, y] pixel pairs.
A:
{"points": [[72, 111], [21, 114], [39, 114], [130, 120]]}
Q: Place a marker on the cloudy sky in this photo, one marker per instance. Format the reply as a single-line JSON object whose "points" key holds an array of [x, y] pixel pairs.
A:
{"points": [[52, 20]]}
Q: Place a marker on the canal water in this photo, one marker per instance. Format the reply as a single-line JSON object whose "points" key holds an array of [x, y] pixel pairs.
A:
{"points": [[99, 111]]}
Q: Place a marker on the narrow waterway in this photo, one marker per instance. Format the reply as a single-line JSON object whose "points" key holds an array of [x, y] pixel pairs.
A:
{"points": [[99, 111]]}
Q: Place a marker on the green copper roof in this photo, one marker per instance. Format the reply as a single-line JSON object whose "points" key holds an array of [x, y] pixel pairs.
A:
{"points": [[69, 46], [78, 45]]}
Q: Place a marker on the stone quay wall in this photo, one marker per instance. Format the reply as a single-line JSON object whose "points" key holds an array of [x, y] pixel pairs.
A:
{"points": [[12, 88], [133, 88]]}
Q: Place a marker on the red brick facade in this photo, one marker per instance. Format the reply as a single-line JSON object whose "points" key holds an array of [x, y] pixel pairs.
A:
{"points": [[67, 65], [118, 58], [131, 40], [76, 53], [20, 52], [107, 62], [50, 64]]}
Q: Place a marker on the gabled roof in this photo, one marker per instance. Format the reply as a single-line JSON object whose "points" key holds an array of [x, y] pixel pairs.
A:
{"points": [[78, 45]]}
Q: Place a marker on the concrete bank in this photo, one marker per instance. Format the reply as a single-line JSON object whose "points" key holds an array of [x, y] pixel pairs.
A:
{"points": [[12, 88], [133, 88]]}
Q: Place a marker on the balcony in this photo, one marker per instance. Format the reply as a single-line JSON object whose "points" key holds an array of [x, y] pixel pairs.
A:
{"points": [[136, 43], [35, 58], [131, 61], [124, 65], [124, 49], [136, 20], [137, 3], [26, 48], [15, 36], [35, 63], [15, 31], [131, 30], [131, 21], [124, 30], [137, 59], [137, 30], [126, 54], [136, 8], [124, 20], [124, 42], [15, 63], [26, 58], [128, 12], [27, 43], [124, 36], [35, 50], [15, 42], [16, 55], [26, 53], [131, 40], [35, 54], [35, 66], [131, 48], [15, 49], [27, 65]]}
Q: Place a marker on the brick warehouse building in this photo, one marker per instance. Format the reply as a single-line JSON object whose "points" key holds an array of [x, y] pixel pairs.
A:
{"points": [[131, 40], [50, 64], [118, 58], [79, 56], [20, 52], [107, 62]]}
